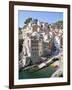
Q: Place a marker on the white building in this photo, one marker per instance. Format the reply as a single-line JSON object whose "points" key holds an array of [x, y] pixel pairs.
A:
{"points": [[27, 46]]}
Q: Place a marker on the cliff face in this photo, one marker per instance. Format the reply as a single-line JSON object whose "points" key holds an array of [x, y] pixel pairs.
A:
{"points": [[44, 45]]}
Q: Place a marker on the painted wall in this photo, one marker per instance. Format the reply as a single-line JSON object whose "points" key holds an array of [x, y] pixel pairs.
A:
{"points": [[4, 44]]}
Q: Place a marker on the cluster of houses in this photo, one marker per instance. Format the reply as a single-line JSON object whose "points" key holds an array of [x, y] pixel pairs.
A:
{"points": [[38, 41]]}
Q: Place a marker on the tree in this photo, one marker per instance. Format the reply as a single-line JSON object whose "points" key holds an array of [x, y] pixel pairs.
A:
{"points": [[28, 20], [35, 21], [20, 28], [58, 24]]}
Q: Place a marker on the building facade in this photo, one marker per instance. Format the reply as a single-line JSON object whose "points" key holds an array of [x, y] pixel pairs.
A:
{"points": [[36, 50]]}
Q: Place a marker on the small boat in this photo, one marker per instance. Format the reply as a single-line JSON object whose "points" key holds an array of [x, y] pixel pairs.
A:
{"points": [[46, 63]]}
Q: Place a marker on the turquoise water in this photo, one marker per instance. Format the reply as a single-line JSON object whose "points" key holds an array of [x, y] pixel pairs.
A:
{"points": [[43, 73]]}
